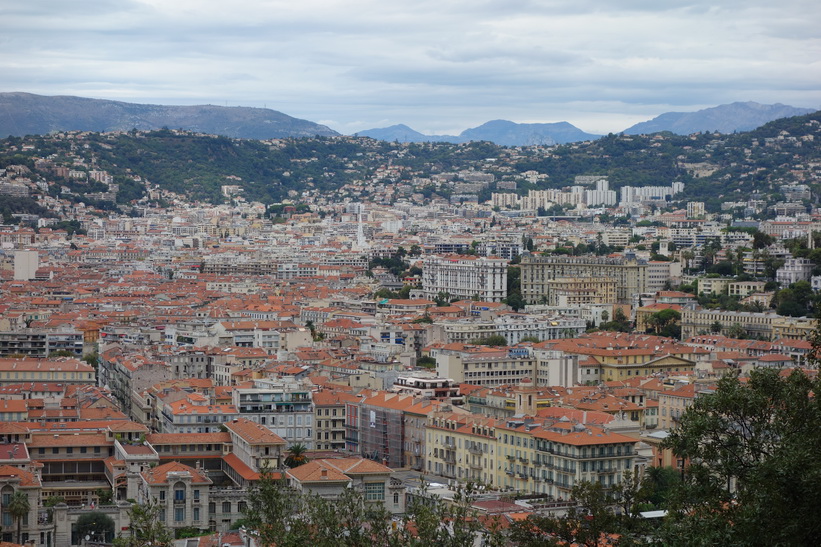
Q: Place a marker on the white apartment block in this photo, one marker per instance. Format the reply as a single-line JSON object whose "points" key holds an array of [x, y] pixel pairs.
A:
{"points": [[794, 269], [465, 277]]}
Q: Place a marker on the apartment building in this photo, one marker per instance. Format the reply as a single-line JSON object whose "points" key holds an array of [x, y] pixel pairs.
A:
{"points": [[63, 370], [329, 423], [465, 277], [40, 342], [487, 367], [284, 406], [574, 292], [629, 274], [764, 325], [513, 327]]}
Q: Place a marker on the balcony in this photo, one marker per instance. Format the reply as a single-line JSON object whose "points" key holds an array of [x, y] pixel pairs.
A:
{"points": [[474, 449], [511, 457], [523, 459], [523, 476], [476, 465], [510, 472]]}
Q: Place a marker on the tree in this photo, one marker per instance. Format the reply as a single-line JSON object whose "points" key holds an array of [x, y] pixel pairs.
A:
{"points": [[104, 495], [146, 527], [296, 455], [659, 482], [19, 507], [431, 521], [754, 477], [492, 340], [95, 524], [590, 522], [661, 319]]}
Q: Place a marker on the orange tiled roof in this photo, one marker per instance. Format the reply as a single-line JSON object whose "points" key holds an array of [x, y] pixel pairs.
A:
{"points": [[159, 474], [253, 433]]}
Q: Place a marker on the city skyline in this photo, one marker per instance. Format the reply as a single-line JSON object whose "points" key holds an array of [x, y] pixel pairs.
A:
{"points": [[438, 68]]}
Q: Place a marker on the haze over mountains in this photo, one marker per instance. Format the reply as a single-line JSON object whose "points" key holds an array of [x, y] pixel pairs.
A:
{"points": [[502, 132], [28, 114], [727, 118]]}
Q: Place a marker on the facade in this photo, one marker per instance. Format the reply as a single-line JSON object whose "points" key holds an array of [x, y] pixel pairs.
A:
{"points": [[793, 270], [765, 325], [329, 478], [629, 274], [40, 342], [182, 493], [465, 277], [329, 422], [575, 292], [62, 370], [513, 327], [283, 406]]}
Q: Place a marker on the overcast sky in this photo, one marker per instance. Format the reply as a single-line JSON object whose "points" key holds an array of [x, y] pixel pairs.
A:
{"points": [[439, 66]]}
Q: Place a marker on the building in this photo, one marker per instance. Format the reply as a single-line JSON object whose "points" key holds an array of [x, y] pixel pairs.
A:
{"points": [[537, 272], [182, 493], [40, 342], [329, 478], [793, 270], [255, 446], [63, 370], [764, 325], [465, 277], [575, 292], [282, 405], [329, 422], [512, 326], [25, 265]]}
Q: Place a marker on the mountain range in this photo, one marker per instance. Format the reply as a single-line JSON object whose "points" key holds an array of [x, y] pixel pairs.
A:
{"points": [[29, 114], [726, 118], [501, 132]]}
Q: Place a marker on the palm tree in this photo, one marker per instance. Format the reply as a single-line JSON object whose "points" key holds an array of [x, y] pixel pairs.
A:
{"points": [[19, 507], [296, 456]]}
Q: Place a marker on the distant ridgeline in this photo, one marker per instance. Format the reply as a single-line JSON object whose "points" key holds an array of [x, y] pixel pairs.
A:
{"points": [[110, 169]]}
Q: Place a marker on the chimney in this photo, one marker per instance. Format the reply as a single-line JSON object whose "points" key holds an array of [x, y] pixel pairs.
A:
{"points": [[324, 473]]}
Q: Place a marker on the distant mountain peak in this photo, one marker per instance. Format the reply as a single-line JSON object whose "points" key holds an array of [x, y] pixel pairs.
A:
{"points": [[726, 118], [502, 132], [29, 114]]}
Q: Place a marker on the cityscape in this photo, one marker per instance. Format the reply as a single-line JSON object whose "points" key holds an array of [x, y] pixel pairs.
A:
{"points": [[426, 274], [455, 328]]}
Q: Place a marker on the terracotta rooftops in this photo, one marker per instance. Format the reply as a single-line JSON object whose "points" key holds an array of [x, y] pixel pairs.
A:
{"points": [[160, 474], [252, 432], [26, 478]]}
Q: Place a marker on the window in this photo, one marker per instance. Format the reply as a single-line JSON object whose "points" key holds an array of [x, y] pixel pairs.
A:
{"points": [[179, 514], [226, 507], [83, 450], [396, 498], [162, 495], [242, 507], [69, 450], [179, 494], [196, 513], [375, 491], [212, 508], [55, 450], [196, 494]]}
